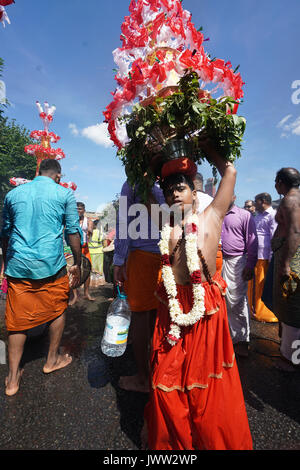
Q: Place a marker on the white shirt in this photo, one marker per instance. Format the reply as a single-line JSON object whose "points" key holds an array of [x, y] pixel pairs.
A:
{"points": [[203, 201], [84, 228]]}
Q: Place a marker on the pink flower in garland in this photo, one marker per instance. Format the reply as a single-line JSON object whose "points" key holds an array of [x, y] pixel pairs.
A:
{"points": [[191, 228]]}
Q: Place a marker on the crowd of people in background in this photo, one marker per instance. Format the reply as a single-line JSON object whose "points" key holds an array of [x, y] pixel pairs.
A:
{"points": [[250, 257]]}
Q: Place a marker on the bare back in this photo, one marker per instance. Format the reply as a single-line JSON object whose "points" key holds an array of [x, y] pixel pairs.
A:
{"points": [[288, 213]]}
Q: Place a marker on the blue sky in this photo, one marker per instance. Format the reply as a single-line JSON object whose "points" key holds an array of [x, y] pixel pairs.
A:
{"points": [[61, 52]]}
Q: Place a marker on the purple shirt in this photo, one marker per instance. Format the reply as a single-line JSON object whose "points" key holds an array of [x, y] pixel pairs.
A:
{"points": [[265, 227], [134, 229], [239, 235]]}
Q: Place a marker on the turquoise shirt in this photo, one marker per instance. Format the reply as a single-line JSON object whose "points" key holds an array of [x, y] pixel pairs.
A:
{"points": [[35, 217]]}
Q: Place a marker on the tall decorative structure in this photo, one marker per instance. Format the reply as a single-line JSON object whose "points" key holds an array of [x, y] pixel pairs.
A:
{"points": [[43, 150], [168, 90]]}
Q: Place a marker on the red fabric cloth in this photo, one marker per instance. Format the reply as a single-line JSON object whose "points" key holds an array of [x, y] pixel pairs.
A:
{"points": [[179, 165], [196, 399]]}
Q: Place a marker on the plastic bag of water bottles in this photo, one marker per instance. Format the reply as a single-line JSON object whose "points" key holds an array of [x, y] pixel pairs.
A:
{"points": [[118, 320]]}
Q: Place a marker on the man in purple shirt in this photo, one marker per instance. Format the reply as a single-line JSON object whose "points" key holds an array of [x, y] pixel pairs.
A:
{"points": [[265, 227], [239, 247], [137, 264]]}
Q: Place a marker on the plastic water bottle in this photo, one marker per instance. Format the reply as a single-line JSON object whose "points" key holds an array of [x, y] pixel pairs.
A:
{"points": [[118, 319]]}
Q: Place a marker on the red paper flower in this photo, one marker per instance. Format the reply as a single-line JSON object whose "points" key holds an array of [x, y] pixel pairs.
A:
{"points": [[165, 259], [4, 3], [196, 277], [191, 228]]}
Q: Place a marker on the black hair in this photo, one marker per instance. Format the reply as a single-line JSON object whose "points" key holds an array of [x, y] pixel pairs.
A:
{"points": [[175, 179], [49, 166], [265, 197], [289, 176], [80, 204]]}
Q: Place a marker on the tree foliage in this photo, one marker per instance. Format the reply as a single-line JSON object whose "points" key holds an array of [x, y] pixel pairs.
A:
{"points": [[13, 160]]}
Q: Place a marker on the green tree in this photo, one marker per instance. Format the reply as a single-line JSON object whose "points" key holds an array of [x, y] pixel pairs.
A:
{"points": [[13, 160]]}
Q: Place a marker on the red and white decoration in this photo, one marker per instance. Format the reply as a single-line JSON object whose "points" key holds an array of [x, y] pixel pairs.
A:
{"points": [[3, 14], [159, 42], [43, 150]]}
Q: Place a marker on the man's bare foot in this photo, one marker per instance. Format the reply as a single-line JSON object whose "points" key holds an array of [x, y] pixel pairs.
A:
{"points": [[89, 297], [132, 383], [62, 361], [12, 387], [73, 300]]}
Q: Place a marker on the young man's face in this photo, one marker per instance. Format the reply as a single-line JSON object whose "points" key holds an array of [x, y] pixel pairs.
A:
{"points": [[180, 197]]}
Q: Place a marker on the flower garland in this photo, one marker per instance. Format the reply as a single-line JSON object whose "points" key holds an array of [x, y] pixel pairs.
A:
{"points": [[178, 318]]}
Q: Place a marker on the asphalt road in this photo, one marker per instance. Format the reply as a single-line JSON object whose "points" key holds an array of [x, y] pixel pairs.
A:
{"points": [[82, 408]]}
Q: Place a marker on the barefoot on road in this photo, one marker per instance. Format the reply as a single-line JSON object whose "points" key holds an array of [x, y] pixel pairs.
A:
{"points": [[61, 362], [13, 387]]}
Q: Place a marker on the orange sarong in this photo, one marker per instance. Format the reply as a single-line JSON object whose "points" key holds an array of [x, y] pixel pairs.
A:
{"points": [[255, 290], [219, 260], [86, 252], [196, 400], [143, 274], [30, 303]]}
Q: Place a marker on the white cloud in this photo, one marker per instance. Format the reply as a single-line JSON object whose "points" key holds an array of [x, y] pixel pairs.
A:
{"points": [[74, 129], [98, 134], [283, 121], [291, 128]]}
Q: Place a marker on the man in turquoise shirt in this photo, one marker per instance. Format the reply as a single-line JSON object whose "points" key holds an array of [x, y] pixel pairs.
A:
{"points": [[35, 217]]}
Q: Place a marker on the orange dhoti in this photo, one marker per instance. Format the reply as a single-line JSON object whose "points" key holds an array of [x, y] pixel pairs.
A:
{"points": [[255, 290], [219, 260], [143, 274], [196, 400], [31, 303], [86, 252]]}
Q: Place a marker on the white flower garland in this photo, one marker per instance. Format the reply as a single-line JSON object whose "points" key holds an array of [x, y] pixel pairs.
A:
{"points": [[178, 318]]}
